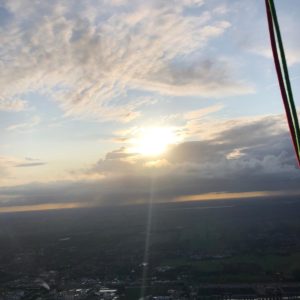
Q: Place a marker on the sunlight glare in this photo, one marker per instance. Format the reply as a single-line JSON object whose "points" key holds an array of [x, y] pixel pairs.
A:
{"points": [[154, 141]]}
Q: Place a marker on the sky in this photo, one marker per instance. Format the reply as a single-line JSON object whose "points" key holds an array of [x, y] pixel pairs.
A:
{"points": [[108, 102]]}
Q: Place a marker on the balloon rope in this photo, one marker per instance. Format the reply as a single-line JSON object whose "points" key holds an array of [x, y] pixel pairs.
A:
{"points": [[283, 76]]}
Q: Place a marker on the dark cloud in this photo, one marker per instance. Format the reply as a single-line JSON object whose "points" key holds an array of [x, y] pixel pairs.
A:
{"points": [[209, 75], [30, 164], [118, 154], [265, 162]]}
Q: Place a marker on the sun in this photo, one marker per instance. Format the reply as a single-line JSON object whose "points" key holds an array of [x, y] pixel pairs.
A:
{"points": [[153, 141]]}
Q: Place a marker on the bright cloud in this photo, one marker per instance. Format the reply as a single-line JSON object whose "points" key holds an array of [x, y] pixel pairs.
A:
{"points": [[89, 55], [33, 122], [12, 105]]}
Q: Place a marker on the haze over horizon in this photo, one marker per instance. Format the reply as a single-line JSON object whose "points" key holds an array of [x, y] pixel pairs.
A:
{"points": [[108, 102]]}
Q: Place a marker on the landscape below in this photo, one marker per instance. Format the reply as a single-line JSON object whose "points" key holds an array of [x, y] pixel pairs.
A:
{"points": [[231, 243]]}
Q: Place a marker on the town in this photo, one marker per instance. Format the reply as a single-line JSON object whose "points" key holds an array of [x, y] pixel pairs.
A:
{"points": [[245, 249]]}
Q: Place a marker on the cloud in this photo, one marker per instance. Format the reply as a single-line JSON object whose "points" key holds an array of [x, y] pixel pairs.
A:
{"points": [[251, 156], [13, 105], [202, 112], [208, 77], [211, 129], [25, 126], [9, 163], [193, 120], [30, 164], [89, 56], [6, 161], [292, 54]]}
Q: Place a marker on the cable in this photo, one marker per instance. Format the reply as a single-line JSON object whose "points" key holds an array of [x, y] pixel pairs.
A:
{"points": [[283, 76]]}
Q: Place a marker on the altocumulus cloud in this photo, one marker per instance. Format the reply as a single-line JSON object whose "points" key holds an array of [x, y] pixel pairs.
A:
{"points": [[88, 55], [250, 156]]}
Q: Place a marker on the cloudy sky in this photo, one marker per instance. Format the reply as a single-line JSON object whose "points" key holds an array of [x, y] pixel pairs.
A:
{"points": [[110, 101]]}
